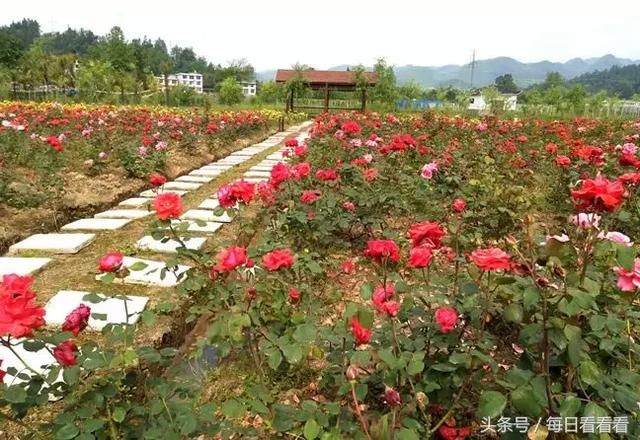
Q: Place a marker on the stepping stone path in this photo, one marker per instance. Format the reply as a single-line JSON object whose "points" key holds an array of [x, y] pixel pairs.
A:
{"points": [[201, 221], [124, 213], [151, 274], [65, 301], [22, 265], [54, 243], [96, 224], [148, 243]]}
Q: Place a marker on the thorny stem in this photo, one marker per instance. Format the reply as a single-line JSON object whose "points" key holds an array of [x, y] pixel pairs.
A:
{"points": [[396, 344], [456, 399], [356, 405]]}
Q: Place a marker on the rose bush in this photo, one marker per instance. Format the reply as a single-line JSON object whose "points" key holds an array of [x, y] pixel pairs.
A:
{"points": [[473, 275]]}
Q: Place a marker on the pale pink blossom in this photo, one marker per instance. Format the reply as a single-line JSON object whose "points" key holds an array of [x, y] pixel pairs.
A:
{"points": [[371, 143], [356, 142], [429, 169], [563, 238], [616, 237], [586, 220], [628, 280]]}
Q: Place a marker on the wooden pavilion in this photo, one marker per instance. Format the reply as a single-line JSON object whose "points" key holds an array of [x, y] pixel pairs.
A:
{"points": [[327, 81]]}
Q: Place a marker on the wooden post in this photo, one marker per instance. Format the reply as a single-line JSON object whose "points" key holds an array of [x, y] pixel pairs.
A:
{"points": [[326, 97], [364, 100]]}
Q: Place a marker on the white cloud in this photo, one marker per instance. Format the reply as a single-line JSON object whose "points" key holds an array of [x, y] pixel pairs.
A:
{"points": [[324, 33]]}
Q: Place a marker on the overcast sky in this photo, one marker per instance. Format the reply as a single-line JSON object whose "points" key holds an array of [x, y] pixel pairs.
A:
{"points": [[325, 33]]}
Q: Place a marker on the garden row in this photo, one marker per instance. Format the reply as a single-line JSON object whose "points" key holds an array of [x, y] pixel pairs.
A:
{"points": [[59, 162], [38, 361]]}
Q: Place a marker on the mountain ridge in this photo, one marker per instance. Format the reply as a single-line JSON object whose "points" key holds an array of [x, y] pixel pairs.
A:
{"points": [[485, 72]]}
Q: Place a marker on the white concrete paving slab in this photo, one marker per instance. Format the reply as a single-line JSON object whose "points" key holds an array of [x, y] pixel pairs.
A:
{"points": [[38, 360], [261, 168], [206, 172], [96, 224], [153, 274], [197, 179], [124, 213], [209, 204], [206, 228], [65, 301], [182, 185], [136, 202], [205, 215], [148, 243], [256, 179], [56, 243], [253, 173], [22, 265], [152, 194]]}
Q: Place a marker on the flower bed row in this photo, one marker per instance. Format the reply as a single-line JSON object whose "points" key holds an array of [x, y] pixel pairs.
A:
{"points": [[413, 278]]}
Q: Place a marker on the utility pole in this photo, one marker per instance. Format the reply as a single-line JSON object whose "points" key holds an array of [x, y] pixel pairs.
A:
{"points": [[473, 67]]}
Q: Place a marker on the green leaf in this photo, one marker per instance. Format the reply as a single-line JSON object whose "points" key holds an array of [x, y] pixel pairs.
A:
{"points": [[93, 298], [570, 406], [311, 429], [33, 345], [366, 290], [530, 297], [589, 372], [594, 410], [408, 434], [292, 352], [388, 358], [492, 403], [305, 333], [71, 375], [625, 256], [274, 359], [15, 394], [118, 414], [513, 313], [67, 432], [232, 409], [574, 349], [415, 367], [524, 403], [137, 266], [108, 278]]}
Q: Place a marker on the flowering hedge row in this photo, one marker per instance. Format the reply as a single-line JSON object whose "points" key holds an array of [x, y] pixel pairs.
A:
{"points": [[411, 279]]}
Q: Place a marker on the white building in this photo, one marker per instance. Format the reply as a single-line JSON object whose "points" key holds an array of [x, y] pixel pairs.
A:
{"points": [[249, 88], [193, 80], [480, 104]]}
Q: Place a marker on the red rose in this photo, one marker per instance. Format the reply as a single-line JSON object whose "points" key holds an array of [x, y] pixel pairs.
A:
{"points": [[19, 314], [348, 266], [458, 205], [65, 353], [2, 373], [294, 296], [168, 206], [230, 258], [291, 142], [240, 190], [382, 250], [450, 433], [300, 150], [420, 257], [110, 262], [279, 173], [350, 127], [563, 161], [370, 174], [430, 233], [300, 170], [491, 259], [157, 180], [77, 320], [446, 318], [362, 335], [598, 195], [277, 259], [327, 174], [349, 206], [391, 396], [310, 196]]}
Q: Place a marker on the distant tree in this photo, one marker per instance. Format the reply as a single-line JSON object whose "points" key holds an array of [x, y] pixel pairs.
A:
{"points": [[297, 85], [385, 89], [553, 79], [576, 97], [269, 92], [70, 41], [410, 90], [505, 84], [230, 91], [10, 49], [95, 78], [37, 67], [25, 30], [119, 54]]}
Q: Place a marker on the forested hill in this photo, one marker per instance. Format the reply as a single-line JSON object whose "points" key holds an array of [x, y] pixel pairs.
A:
{"points": [[623, 82]]}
